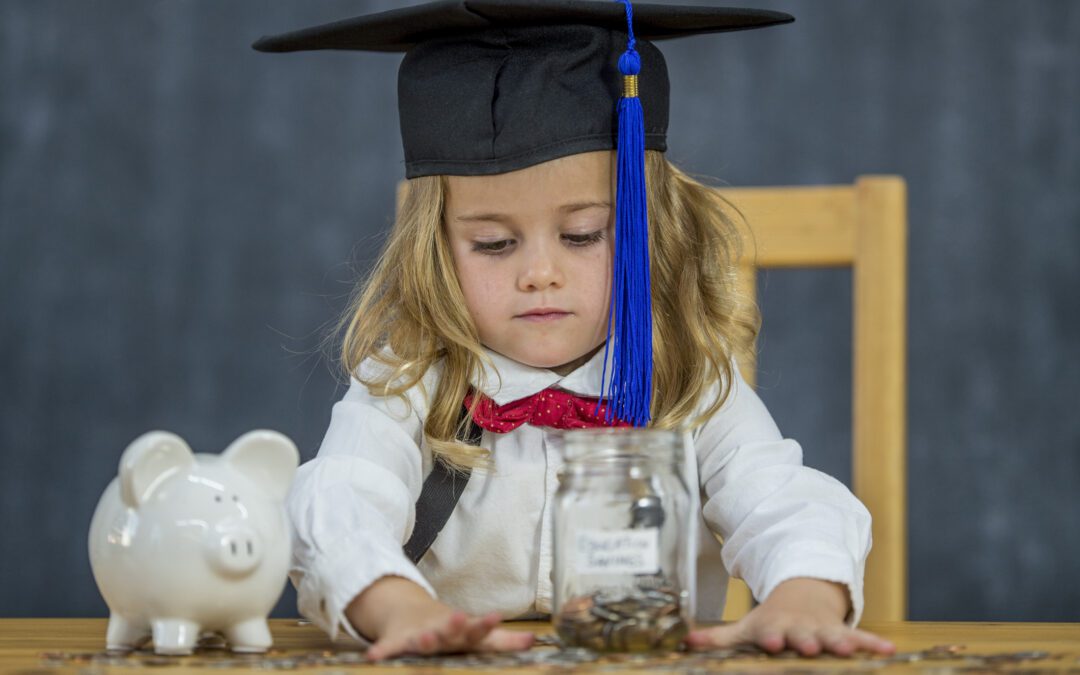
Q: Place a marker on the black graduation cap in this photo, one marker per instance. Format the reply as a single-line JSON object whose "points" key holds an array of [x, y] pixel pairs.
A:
{"points": [[490, 86]]}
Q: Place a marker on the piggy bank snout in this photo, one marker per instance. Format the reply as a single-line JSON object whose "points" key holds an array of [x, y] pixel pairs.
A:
{"points": [[235, 550]]}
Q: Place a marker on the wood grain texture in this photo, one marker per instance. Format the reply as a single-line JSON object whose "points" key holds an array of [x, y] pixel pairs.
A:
{"points": [[879, 390], [23, 641]]}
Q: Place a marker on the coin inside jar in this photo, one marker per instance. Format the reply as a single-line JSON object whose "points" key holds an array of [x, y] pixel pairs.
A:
{"points": [[635, 621]]}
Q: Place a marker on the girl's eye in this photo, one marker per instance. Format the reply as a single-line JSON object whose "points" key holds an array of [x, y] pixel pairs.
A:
{"points": [[503, 245], [586, 239], [491, 247]]}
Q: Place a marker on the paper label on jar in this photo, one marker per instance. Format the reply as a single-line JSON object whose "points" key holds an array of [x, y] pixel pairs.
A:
{"points": [[618, 551]]}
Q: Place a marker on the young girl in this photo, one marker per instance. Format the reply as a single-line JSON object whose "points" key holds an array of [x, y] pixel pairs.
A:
{"points": [[493, 293]]}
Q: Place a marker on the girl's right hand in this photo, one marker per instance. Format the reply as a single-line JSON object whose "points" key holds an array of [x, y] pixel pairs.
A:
{"points": [[442, 630], [403, 619]]}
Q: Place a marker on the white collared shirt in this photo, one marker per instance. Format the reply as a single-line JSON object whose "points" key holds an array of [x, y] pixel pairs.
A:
{"points": [[352, 507]]}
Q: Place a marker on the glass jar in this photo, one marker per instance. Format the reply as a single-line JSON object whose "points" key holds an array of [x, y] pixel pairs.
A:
{"points": [[623, 569]]}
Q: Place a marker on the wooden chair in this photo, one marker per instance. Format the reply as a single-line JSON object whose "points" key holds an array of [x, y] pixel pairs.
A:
{"points": [[862, 226]]}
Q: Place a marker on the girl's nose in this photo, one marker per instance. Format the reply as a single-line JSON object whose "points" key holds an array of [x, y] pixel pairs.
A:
{"points": [[540, 269]]}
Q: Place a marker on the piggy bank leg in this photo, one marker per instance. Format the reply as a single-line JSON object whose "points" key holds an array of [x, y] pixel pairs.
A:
{"points": [[123, 634], [175, 636], [252, 635]]}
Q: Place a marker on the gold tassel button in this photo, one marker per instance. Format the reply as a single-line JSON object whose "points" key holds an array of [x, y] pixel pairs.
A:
{"points": [[630, 86]]}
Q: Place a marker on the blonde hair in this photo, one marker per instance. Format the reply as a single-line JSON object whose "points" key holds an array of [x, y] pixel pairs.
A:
{"points": [[412, 303]]}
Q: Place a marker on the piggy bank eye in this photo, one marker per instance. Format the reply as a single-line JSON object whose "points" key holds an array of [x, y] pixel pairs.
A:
{"points": [[235, 498], [217, 498]]}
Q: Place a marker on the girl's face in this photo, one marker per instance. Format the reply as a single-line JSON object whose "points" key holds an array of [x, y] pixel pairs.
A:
{"points": [[533, 251]]}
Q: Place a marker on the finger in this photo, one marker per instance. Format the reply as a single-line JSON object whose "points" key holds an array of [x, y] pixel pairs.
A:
{"points": [[770, 638], [867, 641], [838, 641], [452, 634], [456, 623], [803, 641], [427, 642], [386, 648], [479, 627], [716, 637], [503, 640]]}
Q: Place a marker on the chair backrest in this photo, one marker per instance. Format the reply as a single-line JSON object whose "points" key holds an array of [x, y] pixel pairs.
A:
{"points": [[862, 226]]}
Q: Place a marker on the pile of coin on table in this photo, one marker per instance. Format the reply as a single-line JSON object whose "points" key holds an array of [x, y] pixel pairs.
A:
{"points": [[635, 621]]}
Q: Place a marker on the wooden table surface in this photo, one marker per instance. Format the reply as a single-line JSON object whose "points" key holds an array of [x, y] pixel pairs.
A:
{"points": [[58, 646]]}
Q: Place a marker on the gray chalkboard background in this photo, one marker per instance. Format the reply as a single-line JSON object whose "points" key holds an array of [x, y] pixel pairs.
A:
{"points": [[181, 217]]}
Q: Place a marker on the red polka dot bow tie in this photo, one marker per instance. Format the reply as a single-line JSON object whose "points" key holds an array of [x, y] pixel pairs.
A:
{"points": [[548, 408]]}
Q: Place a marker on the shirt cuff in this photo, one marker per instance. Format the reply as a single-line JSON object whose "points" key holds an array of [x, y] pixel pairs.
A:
{"points": [[815, 563], [326, 590]]}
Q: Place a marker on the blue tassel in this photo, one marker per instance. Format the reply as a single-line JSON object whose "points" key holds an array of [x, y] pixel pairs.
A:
{"points": [[629, 394]]}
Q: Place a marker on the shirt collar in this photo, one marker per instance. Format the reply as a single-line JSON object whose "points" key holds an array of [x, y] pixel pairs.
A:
{"points": [[510, 380]]}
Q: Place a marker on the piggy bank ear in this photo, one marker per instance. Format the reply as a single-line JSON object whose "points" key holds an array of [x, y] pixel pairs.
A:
{"points": [[267, 457], [150, 459]]}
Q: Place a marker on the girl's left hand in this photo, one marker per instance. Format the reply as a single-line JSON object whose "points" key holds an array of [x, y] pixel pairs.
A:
{"points": [[803, 614]]}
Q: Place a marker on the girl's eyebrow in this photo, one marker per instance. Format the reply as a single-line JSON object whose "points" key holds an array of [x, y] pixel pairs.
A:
{"points": [[503, 218], [578, 206]]}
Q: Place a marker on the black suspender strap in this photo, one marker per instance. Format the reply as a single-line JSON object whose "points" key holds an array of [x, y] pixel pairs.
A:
{"points": [[441, 491]]}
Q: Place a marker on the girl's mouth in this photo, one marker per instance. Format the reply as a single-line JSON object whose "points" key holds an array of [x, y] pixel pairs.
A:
{"points": [[553, 315]]}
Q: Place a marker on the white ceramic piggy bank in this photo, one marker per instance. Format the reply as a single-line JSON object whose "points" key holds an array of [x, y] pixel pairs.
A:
{"points": [[182, 544]]}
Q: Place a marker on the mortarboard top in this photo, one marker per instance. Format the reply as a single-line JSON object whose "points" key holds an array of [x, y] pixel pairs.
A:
{"points": [[490, 86]]}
